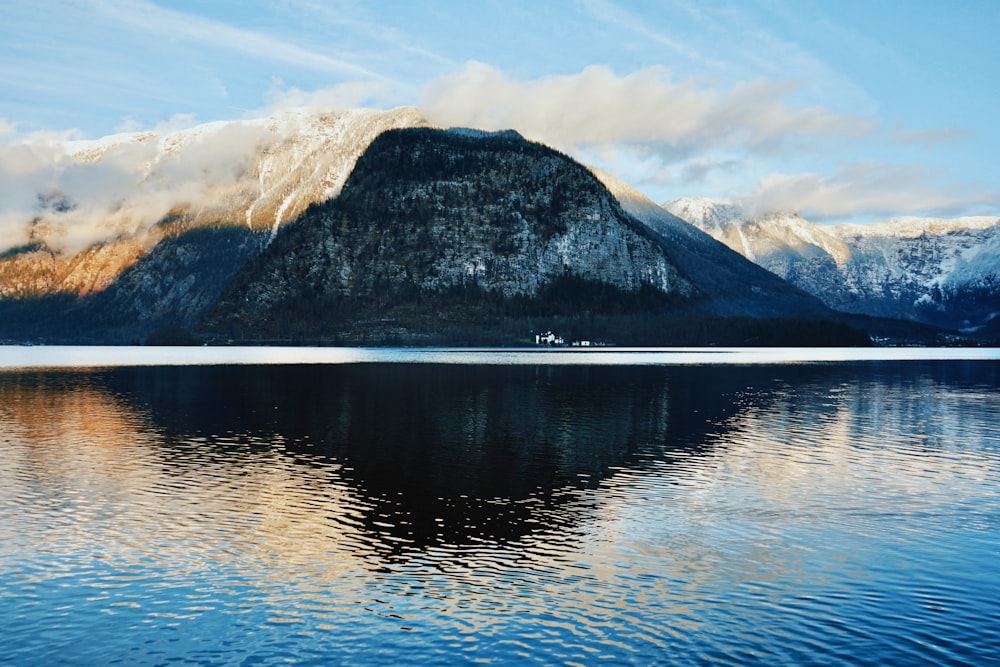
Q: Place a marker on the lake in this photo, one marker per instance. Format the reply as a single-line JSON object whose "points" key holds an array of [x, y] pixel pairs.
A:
{"points": [[256, 506]]}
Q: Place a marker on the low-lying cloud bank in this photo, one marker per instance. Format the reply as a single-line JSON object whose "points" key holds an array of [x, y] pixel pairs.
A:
{"points": [[72, 194]]}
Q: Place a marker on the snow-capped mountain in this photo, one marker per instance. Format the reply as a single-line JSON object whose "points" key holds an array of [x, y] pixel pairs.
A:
{"points": [[937, 271], [737, 286], [89, 209], [712, 215]]}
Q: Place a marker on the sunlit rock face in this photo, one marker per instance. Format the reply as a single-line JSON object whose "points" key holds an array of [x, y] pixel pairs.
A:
{"points": [[37, 270], [938, 271]]}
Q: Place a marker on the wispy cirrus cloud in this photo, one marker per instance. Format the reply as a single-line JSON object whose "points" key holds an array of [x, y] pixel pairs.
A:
{"points": [[392, 42], [610, 13], [211, 33], [729, 42]]}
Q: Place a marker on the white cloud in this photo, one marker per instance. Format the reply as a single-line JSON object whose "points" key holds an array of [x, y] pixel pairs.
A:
{"points": [[644, 107], [137, 180], [655, 131], [699, 169], [867, 188]]}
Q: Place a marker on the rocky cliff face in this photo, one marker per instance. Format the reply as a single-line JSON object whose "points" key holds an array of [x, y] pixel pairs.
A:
{"points": [[945, 272], [35, 270], [467, 224], [940, 272]]}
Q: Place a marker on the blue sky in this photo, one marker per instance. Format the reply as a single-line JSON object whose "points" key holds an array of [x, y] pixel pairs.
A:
{"points": [[842, 110]]}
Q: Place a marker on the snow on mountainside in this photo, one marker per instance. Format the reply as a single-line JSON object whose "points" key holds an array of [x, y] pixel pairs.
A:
{"points": [[710, 215], [944, 260], [738, 286], [261, 172], [938, 271], [86, 210], [761, 239], [912, 227]]}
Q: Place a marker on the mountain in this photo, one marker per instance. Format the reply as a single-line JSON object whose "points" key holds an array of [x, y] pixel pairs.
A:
{"points": [[469, 234], [940, 272], [368, 227], [944, 272], [441, 228]]}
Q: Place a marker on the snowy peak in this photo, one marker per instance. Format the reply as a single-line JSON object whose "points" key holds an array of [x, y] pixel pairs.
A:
{"points": [[760, 238], [939, 271], [709, 215], [913, 227], [118, 197]]}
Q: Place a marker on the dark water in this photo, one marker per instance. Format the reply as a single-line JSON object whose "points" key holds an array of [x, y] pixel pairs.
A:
{"points": [[424, 514]]}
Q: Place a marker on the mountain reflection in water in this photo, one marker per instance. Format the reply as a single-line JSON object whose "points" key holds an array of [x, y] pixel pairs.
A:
{"points": [[406, 513], [463, 453]]}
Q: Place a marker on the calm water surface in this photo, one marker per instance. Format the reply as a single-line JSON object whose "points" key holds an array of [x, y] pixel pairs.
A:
{"points": [[398, 513]]}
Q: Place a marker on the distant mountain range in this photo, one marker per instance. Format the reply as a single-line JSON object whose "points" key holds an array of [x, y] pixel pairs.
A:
{"points": [[370, 227], [940, 272]]}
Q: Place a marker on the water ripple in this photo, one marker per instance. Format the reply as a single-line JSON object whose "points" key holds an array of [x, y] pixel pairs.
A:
{"points": [[691, 516]]}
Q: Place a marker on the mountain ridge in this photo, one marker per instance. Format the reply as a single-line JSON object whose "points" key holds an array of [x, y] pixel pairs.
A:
{"points": [[742, 288], [943, 272]]}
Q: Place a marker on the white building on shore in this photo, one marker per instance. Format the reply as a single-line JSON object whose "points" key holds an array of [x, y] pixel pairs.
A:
{"points": [[548, 338]]}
